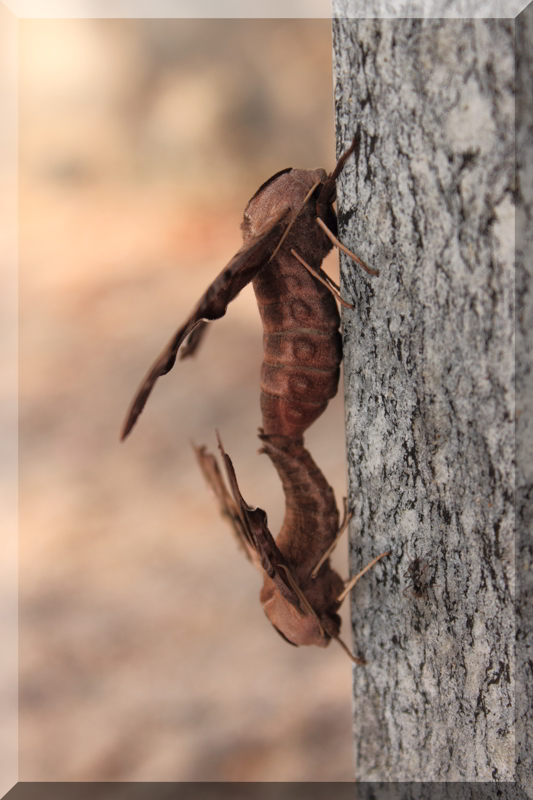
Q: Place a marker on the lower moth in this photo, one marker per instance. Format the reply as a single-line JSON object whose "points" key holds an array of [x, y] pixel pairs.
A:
{"points": [[301, 592]]}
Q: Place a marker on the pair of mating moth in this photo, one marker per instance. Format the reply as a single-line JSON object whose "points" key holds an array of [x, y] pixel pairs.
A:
{"points": [[289, 227]]}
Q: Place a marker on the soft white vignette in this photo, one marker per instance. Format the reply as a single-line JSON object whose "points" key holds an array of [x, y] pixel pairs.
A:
{"points": [[199, 9], [8, 399], [10, 12]]}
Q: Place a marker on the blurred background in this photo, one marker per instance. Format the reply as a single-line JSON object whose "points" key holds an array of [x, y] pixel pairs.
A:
{"points": [[144, 652]]}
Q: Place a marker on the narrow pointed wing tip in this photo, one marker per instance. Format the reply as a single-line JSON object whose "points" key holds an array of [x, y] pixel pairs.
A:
{"points": [[161, 366], [127, 427], [134, 412], [135, 409]]}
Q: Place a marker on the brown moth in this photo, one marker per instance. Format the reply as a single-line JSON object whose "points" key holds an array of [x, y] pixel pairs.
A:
{"points": [[289, 227], [301, 592]]}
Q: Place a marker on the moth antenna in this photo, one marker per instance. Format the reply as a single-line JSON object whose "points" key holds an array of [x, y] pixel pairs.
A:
{"points": [[354, 580], [347, 650], [219, 441], [326, 280], [342, 160], [345, 511], [289, 226], [327, 193], [331, 236], [331, 548]]}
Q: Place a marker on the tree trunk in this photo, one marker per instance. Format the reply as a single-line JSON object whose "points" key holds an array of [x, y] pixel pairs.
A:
{"points": [[429, 384], [524, 399]]}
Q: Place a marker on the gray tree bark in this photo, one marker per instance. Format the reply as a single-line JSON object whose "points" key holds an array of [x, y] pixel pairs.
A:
{"points": [[524, 398], [429, 385]]}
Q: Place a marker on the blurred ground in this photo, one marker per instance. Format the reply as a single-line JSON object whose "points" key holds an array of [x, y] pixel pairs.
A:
{"points": [[144, 652]]}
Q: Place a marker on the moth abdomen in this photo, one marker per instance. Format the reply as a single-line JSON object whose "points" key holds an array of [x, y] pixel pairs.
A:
{"points": [[301, 344], [292, 399]]}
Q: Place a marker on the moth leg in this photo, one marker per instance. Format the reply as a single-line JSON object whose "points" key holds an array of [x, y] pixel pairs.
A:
{"points": [[354, 580], [360, 661], [324, 278], [291, 223], [346, 514], [344, 524], [331, 236], [309, 608]]}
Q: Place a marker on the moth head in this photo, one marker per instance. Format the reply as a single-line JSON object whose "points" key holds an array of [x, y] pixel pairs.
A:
{"points": [[294, 189], [292, 616]]}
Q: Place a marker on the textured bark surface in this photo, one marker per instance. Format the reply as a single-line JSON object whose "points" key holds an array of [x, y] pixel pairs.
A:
{"points": [[429, 376], [524, 398]]}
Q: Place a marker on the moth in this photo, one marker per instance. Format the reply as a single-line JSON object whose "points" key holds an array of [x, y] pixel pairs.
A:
{"points": [[289, 226], [301, 592]]}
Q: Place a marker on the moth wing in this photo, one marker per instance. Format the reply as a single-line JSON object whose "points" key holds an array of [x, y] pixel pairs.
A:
{"points": [[267, 553], [193, 340], [228, 508], [242, 268]]}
